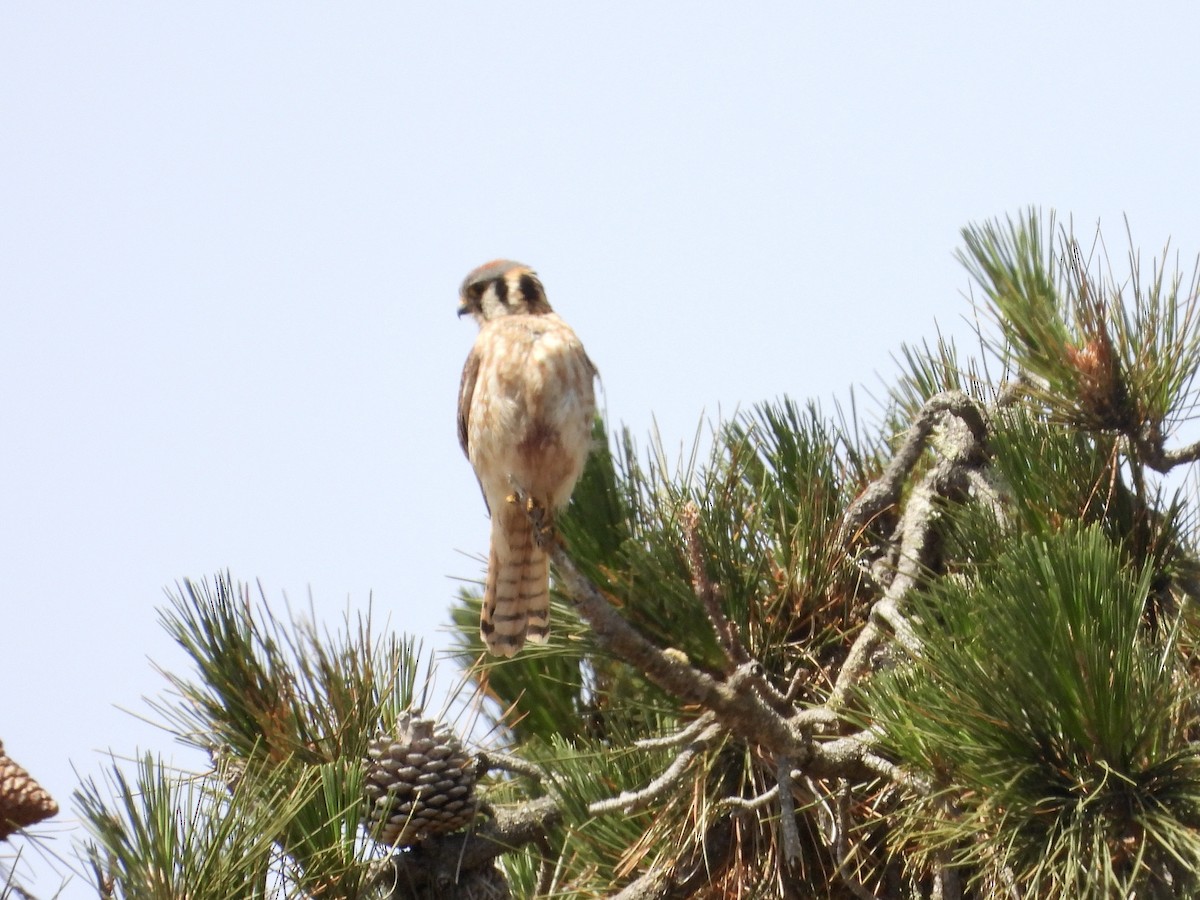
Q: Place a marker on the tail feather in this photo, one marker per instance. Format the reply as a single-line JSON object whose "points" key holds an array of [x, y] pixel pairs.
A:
{"points": [[516, 596]]}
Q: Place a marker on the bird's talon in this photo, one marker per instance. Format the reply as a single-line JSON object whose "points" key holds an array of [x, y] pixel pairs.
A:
{"points": [[543, 526]]}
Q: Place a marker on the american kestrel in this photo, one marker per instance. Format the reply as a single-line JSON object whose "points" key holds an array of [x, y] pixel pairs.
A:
{"points": [[525, 411]]}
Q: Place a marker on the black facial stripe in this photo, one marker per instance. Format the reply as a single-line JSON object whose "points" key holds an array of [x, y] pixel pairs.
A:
{"points": [[502, 291], [531, 289]]}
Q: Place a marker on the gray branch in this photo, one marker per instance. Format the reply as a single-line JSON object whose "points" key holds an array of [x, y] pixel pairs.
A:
{"points": [[632, 801], [886, 490]]}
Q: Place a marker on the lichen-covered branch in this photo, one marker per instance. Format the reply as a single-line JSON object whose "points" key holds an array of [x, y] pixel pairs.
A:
{"points": [[886, 490]]}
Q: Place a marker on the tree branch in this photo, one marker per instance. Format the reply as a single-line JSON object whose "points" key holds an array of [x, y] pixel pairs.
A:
{"points": [[885, 491], [632, 801], [789, 835], [439, 860], [679, 738], [490, 760], [962, 450], [1163, 461], [726, 632], [733, 701]]}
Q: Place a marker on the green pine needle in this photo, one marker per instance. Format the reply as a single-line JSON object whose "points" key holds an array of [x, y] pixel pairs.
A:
{"points": [[1053, 722]]}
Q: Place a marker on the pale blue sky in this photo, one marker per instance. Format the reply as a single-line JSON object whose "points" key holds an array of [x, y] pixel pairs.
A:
{"points": [[231, 236]]}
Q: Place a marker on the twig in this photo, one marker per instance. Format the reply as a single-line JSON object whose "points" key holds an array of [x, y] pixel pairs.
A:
{"points": [[796, 684], [946, 882], [706, 591], [679, 737], [1163, 461], [749, 804], [789, 835], [834, 828], [781, 702], [545, 868], [632, 801], [885, 491], [490, 760], [842, 845]]}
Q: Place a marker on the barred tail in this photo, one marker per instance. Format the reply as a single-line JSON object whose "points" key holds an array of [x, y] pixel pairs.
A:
{"points": [[516, 597]]}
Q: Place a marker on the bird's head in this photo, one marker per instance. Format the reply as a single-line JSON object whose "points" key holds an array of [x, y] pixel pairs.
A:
{"points": [[502, 288]]}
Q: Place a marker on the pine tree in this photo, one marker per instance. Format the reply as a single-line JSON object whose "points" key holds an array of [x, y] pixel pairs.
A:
{"points": [[951, 653]]}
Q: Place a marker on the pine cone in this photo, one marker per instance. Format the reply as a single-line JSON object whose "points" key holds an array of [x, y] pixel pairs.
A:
{"points": [[418, 783], [23, 802]]}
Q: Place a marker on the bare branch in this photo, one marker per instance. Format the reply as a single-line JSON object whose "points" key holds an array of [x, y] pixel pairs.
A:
{"points": [[916, 530], [885, 491], [841, 847], [491, 760], [1164, 461], [632, 801], [789, 835], [546, 867], [752, 804], [834, 827], [859, 749], [949, 476], [678, 738]]}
